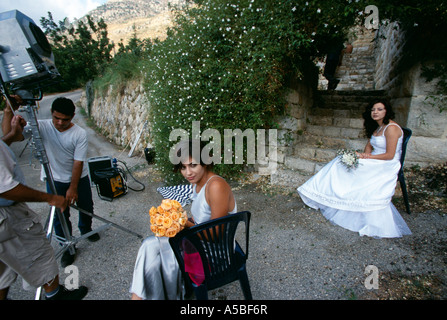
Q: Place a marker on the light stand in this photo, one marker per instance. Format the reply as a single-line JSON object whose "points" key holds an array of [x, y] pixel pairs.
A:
{"points": [[43, 159], [41, 155], [26, 62]]}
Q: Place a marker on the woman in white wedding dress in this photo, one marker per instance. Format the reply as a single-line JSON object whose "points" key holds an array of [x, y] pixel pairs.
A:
{"points": [[156, 274], [360, 199]]}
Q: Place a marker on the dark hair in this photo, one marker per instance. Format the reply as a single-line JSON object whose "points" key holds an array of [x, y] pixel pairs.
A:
{"points": [[64, 106], [370, 125], [187, 145]]}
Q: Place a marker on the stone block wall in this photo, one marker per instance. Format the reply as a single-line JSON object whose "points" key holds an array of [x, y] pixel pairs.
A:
{"points": [[299, 100], [429, 125], [120, 115], [388, 48], [410, 94]]}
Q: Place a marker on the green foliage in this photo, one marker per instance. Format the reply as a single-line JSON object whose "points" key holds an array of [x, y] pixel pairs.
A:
{"points": [[125, 65], [80, 52], [423, 22], [437, 71], [226, 64]]}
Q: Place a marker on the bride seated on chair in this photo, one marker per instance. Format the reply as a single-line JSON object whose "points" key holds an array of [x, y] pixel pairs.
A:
{"points": [[360, 199]]}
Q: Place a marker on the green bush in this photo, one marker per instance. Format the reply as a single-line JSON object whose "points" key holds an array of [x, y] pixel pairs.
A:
{"points": [[225, 63], [81, 51]]}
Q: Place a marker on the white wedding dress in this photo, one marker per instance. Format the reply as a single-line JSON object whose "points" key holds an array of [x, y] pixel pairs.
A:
{"points": [[360, 199]]}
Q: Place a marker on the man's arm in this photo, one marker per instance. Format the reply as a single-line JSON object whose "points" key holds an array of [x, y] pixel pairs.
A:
{"points": [[22, 193], [8, 116], [16, 126]]}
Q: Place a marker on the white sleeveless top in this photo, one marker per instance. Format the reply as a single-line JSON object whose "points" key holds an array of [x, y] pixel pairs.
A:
{"points": [[200, 209], [379, 143]]}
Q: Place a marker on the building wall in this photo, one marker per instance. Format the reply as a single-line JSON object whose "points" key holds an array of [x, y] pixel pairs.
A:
{"points": [[411, 96]]}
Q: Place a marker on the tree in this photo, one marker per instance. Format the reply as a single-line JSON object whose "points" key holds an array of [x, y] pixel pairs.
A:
{"points": [[81, 52], [125, 65], [136, 46]]}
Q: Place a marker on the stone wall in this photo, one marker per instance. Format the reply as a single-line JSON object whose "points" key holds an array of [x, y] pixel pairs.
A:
{"points": [[120, 115], [299, 100], [388, 48], [429, 125], [410, 96]]}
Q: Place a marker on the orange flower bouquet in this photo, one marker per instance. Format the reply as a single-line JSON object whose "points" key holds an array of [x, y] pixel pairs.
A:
{"points": [[168, 218]]}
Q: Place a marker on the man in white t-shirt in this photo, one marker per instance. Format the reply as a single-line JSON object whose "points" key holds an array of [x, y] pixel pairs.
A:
{"points": [[66, 147], [24, 248]]}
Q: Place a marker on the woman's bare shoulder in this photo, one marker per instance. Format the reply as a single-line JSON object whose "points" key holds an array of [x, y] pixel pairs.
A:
{"points": [[393, 128]]}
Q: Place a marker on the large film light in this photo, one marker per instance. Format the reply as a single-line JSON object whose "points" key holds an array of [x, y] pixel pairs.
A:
{"points": [[26, 58]]}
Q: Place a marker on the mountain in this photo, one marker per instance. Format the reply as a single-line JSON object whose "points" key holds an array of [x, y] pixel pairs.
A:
{"points": [[148, 18]]}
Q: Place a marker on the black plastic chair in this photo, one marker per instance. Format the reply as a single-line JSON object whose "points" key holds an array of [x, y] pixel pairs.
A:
{"points": [[217, 254], [400, 175]]}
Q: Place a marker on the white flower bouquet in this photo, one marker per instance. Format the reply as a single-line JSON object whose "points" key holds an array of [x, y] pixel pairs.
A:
{"points": [[348, 158]]}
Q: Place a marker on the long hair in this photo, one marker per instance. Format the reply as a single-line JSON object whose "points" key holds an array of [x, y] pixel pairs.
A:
{"points": [[370, 125]]}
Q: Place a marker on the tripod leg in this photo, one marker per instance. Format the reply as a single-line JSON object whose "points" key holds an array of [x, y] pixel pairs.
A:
{"points": [[50, 223], [107, 221], [38, 293], [24, 148]]}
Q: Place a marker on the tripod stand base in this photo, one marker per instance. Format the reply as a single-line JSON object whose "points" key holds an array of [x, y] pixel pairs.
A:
{"points": [[69, 244]]}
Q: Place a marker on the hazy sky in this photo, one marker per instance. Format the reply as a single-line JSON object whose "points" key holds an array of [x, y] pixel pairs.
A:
{"points": [[35, 9]]}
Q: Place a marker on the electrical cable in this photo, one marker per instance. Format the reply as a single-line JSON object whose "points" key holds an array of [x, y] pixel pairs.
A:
{"points": [[115, 170], [140, 183]]}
